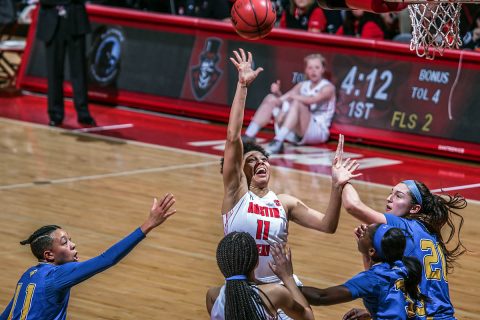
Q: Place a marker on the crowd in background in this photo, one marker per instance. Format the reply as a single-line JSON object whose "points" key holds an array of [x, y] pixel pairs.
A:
{"points": [[306, 15], [297, 14]]}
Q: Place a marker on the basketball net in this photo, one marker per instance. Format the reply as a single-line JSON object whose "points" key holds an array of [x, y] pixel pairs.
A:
{"points": [[435, 27]]}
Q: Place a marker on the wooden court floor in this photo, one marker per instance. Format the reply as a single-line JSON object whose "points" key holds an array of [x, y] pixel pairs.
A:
{"points": [[100, 189]]}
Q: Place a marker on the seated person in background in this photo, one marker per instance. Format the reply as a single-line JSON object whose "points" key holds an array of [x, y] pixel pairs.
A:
{"points": [[307, 15], [363, 24], [240, 297], [302, 115]]}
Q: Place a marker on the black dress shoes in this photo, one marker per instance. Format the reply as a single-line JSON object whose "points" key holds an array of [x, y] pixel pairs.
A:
{"points": [[88, 121], [55, 123]]}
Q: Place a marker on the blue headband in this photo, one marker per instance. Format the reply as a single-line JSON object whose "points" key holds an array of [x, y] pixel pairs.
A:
{"points": [[377, 239], [412, 186], [237, 277]]}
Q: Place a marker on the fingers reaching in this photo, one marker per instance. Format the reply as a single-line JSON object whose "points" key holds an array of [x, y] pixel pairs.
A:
{"points": [[160, 211], [239, 59], [282, 264], [343, 170], [242, 52], [339, 153], [235, 63], [360, 231], [243, 61], [155, 204], [258, 70]]}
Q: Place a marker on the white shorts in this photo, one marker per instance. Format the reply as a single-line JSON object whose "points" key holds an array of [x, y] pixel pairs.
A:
{"points": [[317, 132]]}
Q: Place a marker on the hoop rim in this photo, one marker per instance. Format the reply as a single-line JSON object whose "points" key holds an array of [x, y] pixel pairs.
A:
{"points": [[431, 1]]}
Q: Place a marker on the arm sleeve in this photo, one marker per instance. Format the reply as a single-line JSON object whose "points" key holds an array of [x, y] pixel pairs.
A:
{"points": [[72, 273], [6, 312], [362, 285], [395, 221]]}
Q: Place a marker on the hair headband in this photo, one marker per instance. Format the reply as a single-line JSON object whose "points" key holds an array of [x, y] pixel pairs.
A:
{"points": [[237, 277], [412, 186]]}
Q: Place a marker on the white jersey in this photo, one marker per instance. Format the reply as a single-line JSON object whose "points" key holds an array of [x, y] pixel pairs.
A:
{"points": [[218, 309], [264, 219], [322, 112]]}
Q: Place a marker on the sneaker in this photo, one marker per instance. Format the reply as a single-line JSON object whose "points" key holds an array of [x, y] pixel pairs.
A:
{"points": [[87, 121], [55, 123], [274, 147], [246, 139]]}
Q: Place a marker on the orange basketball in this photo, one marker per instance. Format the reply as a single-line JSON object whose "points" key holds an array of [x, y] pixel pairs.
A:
{"points": [[253, 19]]}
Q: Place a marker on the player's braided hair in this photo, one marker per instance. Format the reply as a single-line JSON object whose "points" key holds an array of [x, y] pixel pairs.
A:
{"points": [[237, 254], [393, 247], [435, 212], [247, 147], [40, 240]]}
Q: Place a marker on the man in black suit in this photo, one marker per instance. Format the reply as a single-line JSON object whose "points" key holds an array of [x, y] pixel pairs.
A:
{"points": [[62, 25]]}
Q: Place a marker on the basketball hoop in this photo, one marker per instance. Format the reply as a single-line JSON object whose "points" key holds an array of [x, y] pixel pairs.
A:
{"points": [[436, 25]]}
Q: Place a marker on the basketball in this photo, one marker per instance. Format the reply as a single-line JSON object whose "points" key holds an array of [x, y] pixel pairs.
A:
{"points": [[253, 19]]}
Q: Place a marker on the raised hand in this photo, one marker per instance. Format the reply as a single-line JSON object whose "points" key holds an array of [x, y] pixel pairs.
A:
{"points": [[343, 170], [282, 257], [243, 63], [160, 211], [360, 231]]}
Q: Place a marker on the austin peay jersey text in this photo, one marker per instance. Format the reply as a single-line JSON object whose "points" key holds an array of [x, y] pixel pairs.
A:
{"points": [[263, 218]]}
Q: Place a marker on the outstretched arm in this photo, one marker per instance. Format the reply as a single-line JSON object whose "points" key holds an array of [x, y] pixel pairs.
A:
{"points": [[72, 273], [352, 203], [328, 296], [233, 154], [292, 302], [342, 172]]}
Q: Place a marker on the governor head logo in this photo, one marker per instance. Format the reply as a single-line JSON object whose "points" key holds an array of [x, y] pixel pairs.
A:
{"points": [[206, 74], [105, 55]]}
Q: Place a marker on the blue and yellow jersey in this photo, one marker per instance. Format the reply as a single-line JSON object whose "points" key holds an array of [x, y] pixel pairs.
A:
{"points": [[43, 291], [381, 288], [424, 246]]}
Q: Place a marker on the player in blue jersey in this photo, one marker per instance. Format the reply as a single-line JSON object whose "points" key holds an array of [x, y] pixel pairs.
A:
{"points": [[43, 290], [426, 217], [389, 284]]}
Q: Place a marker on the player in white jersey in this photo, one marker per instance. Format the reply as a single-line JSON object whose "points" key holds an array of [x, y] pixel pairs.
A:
{"points": [[248, 203], [264, 218], [303, 115]]}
